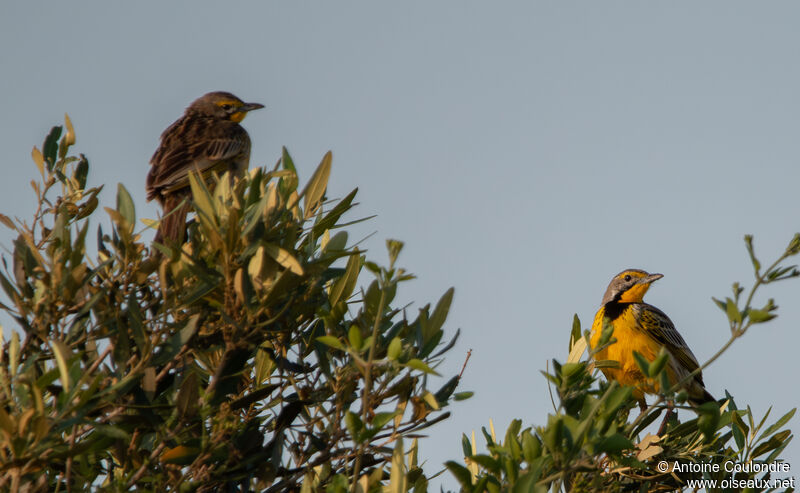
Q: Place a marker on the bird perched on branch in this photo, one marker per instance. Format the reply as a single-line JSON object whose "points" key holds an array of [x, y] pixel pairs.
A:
{"points": [[206, 139], [646, 329]]}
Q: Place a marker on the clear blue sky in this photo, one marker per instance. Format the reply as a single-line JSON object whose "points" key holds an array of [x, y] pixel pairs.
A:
{"points": [[525, 152]]}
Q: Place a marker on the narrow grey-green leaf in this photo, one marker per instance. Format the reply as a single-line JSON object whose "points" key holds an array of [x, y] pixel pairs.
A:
{"points": [[315, 190], [125, 205]]}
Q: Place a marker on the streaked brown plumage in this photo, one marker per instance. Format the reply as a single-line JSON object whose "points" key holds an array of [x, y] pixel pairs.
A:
{"points": [[206, 139]]}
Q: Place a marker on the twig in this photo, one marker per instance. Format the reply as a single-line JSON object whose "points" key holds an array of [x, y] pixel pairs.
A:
{"points": [[736, 332], [368, 380], [469, 353], [142, 469], [98, 360], [68, 474], [171, 363], [418, 425]]}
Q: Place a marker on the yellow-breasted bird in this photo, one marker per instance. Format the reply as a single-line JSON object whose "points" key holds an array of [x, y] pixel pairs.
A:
{"points": [[206, 139], [646, 329]]}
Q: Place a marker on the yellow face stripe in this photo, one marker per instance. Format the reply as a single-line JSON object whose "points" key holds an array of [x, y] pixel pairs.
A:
{"points": [[230, 102], [237, 116], [635, 274], [635, 294]]}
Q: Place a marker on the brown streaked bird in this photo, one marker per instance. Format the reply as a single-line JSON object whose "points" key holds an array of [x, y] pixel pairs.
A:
{"points": [[206, 139]]}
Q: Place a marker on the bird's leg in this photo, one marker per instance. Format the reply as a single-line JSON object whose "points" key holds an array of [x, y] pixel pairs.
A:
{"points": [[666, 418]]}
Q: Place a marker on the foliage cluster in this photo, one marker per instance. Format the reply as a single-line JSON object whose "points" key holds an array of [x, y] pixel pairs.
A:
{"points": [[248, 359], [590, 444], [257, 357]]}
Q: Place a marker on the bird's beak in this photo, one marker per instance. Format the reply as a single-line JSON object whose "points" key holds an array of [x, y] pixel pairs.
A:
{"points": [[250, 106], [651, 278]]}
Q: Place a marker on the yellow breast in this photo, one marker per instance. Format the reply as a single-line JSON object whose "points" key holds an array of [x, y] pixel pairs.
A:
{"points": [[629, 337]]}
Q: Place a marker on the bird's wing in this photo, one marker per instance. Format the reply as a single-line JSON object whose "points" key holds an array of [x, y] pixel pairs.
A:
{"points": [[199, 145], [658, 325]]}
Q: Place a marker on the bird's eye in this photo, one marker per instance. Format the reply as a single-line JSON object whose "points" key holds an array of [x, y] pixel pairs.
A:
{"points": [[627, 277], [226, 106]]}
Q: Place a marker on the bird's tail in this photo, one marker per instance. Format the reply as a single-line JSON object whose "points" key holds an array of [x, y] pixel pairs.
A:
{"points": [[701, 398], [172, 229]]}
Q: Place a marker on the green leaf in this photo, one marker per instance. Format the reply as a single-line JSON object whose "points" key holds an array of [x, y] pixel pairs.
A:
{"points": [[466, 445], [708, 422], [734, 315], [554, 433], [186, 402], [203, 202], [380, 419], [659, 363], [354, 336], [606, 334], [50, 147], [444, 393], [430, 399], [136, 320], [286, 160], [337, 243], [721, 304], [442, 309], [794, 245], [394, 349], [760, 316], [315, 190], [575, 334], [483, 485], [38, 159], [13, 353], [642, 362], [462, 396], [354, 425], [739, 429], [419, 365], [750, 418], [394, 247], [7, 222], [570, 369], [774, 442], [487, 462], [527, 482], [125, 206], [331, 218], [331, 342], [512, 431], [284, 258], [188, 330], [62, 355], [778, 424], [664, 381], [397, 474], [531, 446], [617, 396], [343, 287], [111, 431], [461, 473], [614, 444], [748, 241], [447, 347]]}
